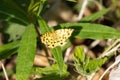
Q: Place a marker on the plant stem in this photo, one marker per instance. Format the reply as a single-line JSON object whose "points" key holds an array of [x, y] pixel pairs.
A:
{"points": [[82, 9]]}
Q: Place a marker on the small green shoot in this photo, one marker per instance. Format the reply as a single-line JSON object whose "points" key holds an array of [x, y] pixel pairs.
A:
{"points": [[84, 65]]}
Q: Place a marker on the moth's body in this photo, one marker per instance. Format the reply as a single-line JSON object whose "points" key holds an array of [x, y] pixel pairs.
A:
{"points": [[56, 38]]}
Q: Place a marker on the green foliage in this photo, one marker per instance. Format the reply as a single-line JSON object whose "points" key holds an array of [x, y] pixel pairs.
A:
{"points": [[14, 30], [26, 53], [8, 49], [43, 25], [51, 73], [10, 11], [21, 21], [94, 16], [89, 30], [94, 65], [57, 53], [72, 0], [36, 7], [79, 54], [84, 65]]}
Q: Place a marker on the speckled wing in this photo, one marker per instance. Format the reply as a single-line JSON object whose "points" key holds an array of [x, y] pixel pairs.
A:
{"points": [[56, 38]]}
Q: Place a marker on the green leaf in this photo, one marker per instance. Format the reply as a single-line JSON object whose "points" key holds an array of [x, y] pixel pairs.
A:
{"points": [[26, 53], [51, 72], [36, 7], [72, 0], [33, 7], [94, 16], [8, 49], [94, 65], [79, 54], [47, 70], [84, 65], [80, 59], [57, 53], [14, 30], [11, 12], [43, 25], [92, 31]]}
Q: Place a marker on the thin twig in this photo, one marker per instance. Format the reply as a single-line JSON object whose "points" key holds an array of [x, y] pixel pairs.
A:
{"points": [[5, 73], [67, 54], [111, 51], [115, 63], [96, 42], [90, 77], [112, 45], [82, 9]]}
